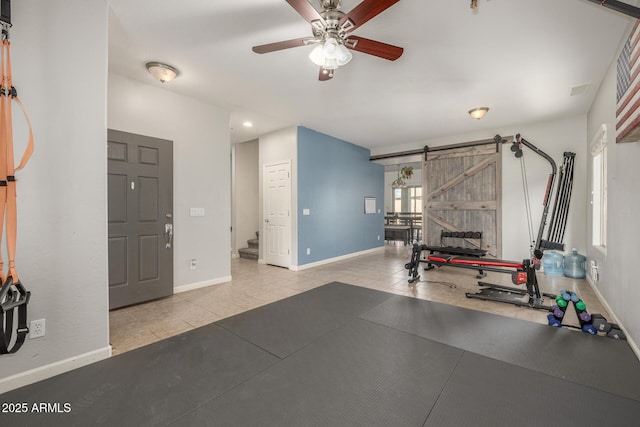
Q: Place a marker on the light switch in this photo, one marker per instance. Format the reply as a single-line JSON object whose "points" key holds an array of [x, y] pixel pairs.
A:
{"points": [[306, 211], [196, 212]]}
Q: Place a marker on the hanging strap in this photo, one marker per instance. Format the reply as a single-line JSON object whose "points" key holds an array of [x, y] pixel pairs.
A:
{"points": [[14, 298], [11, 204]]}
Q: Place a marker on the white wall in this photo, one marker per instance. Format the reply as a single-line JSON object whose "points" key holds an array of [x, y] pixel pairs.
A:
{"points": [[202, 172], [554, 138], [274, 147], [60, 70], [245, 193], [618, 282]]}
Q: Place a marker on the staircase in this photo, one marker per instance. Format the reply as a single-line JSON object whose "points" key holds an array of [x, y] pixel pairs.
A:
{"points": [[252, 251]]}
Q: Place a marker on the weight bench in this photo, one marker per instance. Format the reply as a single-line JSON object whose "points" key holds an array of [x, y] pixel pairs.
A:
{"points": [[447, 236], [521, 273]]}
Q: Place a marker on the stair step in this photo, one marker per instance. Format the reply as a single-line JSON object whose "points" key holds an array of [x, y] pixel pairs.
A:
{"points": [[248, 253], [253, 243]]}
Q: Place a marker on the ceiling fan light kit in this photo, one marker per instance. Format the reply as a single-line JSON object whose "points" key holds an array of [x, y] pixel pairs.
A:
{"points": [[330, 55], [331, 30]]}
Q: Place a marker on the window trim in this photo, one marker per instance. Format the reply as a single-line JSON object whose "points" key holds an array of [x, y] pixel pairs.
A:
{"points": [[599, 148]]}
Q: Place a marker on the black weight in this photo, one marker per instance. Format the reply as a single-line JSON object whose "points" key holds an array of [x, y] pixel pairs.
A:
{"points": [[600, 323], [616, 334]]}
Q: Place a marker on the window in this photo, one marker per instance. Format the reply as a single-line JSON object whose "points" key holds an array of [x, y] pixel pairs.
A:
{"points": [[408, 199], [397, 199], [415, 199], [599, 189]]}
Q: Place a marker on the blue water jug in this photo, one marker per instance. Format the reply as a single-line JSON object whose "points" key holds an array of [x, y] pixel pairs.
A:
{"points": [[553, 263], [575, 265]]}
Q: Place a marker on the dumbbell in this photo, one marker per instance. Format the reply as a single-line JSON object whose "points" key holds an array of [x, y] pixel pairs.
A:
{"points": [[600, 323], [581, 306], [553, 321], [557, 312], [562, 303], [565, 295], [588, 328], [574, 297], [616, 333], [584, 316]]}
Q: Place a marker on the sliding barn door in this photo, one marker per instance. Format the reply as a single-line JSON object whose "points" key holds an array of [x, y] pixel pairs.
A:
{"points": [[462, 192]]}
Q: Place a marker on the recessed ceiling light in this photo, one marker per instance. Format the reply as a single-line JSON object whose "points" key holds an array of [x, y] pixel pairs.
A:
{"points": [[247, 124]]}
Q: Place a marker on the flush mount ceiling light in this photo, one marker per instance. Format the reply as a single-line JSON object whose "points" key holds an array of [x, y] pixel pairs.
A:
{"points": [[478, 113], [163, 72], [247, 124]]}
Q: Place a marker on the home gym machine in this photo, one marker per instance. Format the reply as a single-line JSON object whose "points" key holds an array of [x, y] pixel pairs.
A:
{"points": [[13, 295], [521, 272]]}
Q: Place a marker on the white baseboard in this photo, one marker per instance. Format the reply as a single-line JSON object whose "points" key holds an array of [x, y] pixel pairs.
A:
{"points": [[51, 370], [614, 319], [261, 261], [198, 285], [339, 258]]}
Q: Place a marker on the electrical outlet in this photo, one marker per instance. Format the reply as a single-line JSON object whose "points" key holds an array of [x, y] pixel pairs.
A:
{"points": [[193, 264], [37, 328], [308, 251]]}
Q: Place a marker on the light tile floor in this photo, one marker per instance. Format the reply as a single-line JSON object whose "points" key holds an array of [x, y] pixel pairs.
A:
{"points": [[256, 284]]}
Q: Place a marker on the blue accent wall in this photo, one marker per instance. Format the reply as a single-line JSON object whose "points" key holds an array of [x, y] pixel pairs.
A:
{"points": [[334, 177]]}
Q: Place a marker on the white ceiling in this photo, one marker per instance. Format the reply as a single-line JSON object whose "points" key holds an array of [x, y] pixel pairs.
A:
{"points": [[521, 58]]}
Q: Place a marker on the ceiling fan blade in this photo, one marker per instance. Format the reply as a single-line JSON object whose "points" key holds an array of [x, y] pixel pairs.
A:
{"points": [[308, 12], [325, 74], [272, 47], [372, 47], [365, 11]]}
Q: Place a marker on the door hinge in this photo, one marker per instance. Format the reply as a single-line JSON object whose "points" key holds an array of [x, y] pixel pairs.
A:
{"points": [[288, 252]]}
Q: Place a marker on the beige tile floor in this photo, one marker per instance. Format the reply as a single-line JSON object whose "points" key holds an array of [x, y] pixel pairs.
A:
{"points": [[254, 285]]}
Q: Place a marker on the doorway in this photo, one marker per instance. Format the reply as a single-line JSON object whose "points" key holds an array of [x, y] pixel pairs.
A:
{"points": [[140, 220], [277, 213]]}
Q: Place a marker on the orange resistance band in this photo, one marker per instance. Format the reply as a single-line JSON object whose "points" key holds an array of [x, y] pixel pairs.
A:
{"points": [[8, 206], [13, 296]]}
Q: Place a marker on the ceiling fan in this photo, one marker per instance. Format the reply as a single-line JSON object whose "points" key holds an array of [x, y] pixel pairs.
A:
{"points": [[332, 29]]}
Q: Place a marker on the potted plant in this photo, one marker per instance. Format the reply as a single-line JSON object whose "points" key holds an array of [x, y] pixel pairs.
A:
{"points": [[406, 172]]}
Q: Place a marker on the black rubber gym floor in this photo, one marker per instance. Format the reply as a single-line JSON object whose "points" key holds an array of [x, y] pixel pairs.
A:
{"points": [[341, 355]]}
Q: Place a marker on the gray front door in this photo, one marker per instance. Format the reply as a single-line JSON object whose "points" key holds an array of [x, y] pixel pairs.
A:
{"points": [[140, 218]]}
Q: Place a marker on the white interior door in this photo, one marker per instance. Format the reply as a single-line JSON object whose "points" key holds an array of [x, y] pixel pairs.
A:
{"points": [[277, 213]]}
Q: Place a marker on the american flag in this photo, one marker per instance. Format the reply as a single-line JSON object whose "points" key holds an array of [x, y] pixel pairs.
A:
{"points": [[628, 93]]}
